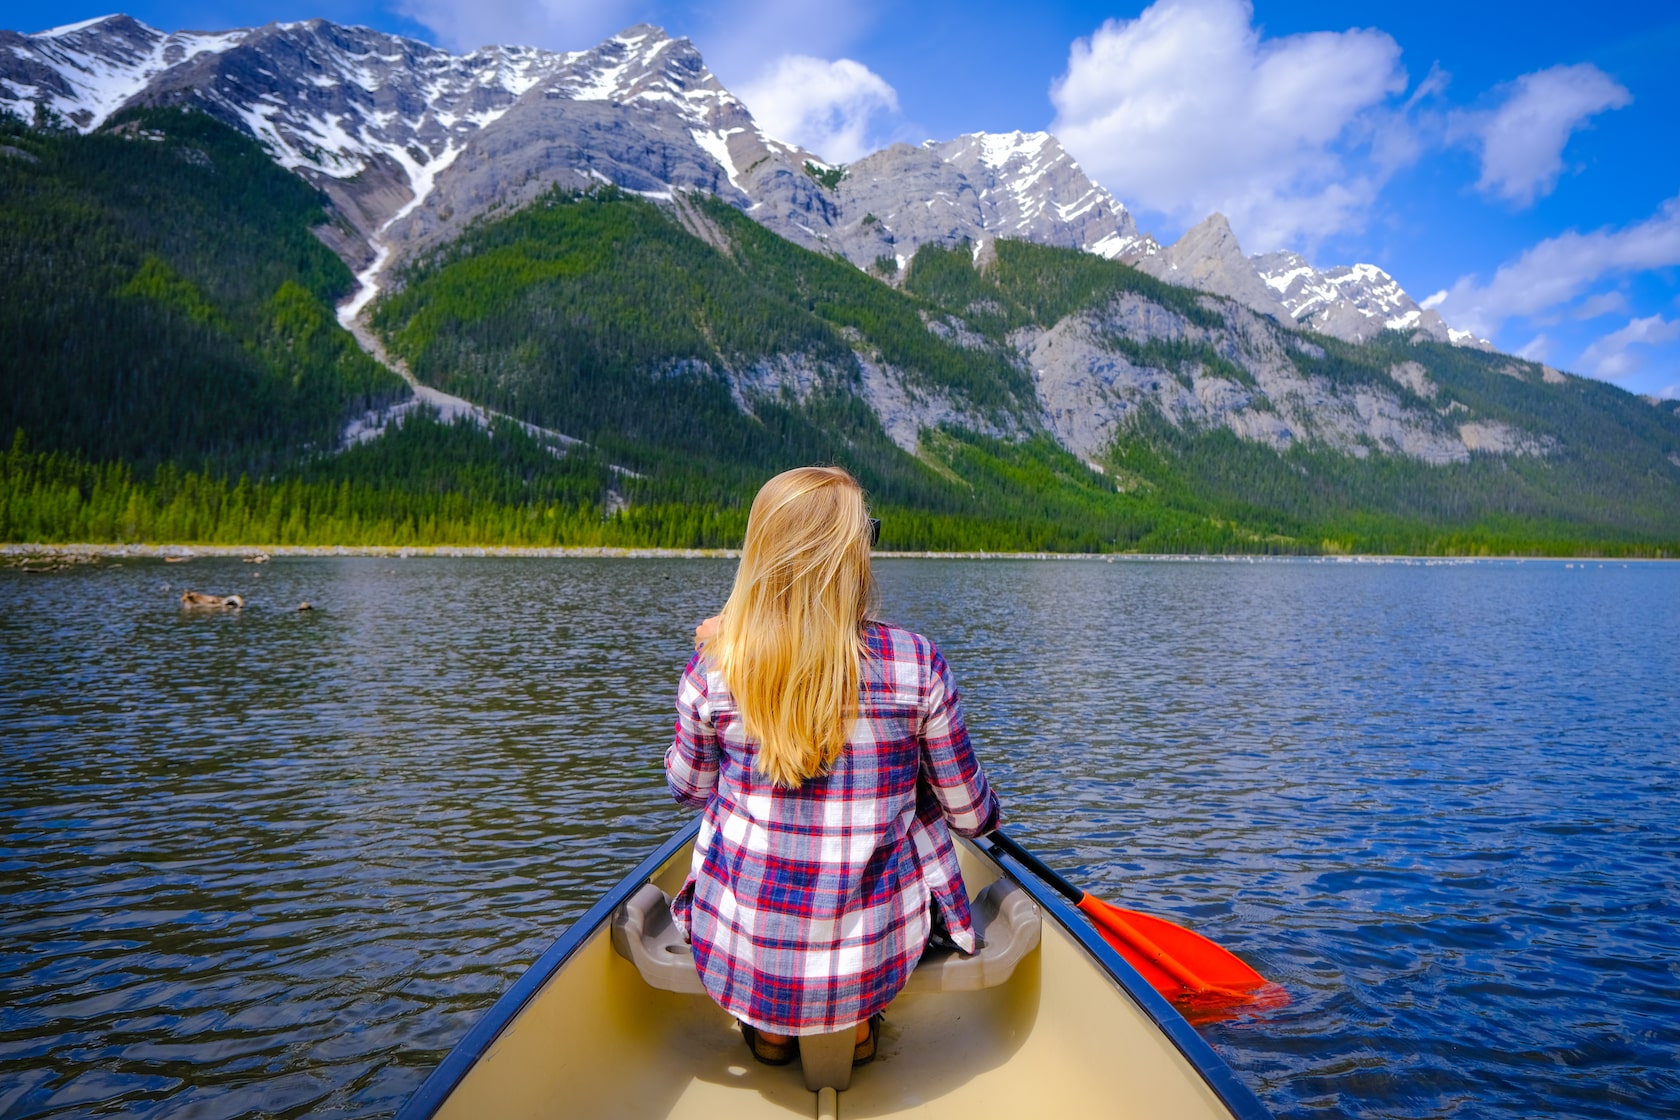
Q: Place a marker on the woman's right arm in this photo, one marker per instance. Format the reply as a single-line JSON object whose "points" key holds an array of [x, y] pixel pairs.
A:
{"points": [[691, 761]]}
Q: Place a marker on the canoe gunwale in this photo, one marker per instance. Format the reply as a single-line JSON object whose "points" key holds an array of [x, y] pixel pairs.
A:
{"points": [[1220, 1077], [442, 1081]]}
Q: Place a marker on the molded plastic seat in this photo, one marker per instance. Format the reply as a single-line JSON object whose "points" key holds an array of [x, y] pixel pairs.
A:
{"points": [[1007, 926]]}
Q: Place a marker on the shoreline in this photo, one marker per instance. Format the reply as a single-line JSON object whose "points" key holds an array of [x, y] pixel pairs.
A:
{"points": [[85, 552]]}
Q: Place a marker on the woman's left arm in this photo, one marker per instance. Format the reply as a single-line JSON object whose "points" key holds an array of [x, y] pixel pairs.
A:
{"points": [[966, 800], [691, 761]]}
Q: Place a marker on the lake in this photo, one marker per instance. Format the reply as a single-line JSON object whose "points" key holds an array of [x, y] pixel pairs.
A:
{"points": [[276, 862]]}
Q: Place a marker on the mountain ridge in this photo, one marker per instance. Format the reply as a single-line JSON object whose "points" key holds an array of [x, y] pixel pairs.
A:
{"points": [[411, 143]]}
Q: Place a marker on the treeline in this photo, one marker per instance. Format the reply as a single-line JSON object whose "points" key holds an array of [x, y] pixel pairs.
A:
{"points": [[513, 492], [54, 498]]}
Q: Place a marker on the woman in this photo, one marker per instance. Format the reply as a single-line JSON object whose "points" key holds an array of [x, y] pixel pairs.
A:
{"points": [[829, 754]]}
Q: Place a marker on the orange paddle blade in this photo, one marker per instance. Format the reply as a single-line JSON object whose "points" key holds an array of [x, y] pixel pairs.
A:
{"points": [[1205, 982], [1176, 961]]}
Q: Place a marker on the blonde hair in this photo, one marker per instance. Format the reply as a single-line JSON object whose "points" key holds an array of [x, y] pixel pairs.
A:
{"points": [[789, 642]]}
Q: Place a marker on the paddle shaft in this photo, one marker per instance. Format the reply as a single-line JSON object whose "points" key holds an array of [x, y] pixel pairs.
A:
{"points": [[1033, 864]]}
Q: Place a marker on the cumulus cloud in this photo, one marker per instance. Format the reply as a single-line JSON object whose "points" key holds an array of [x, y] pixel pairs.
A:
{"points": [[559, 25], [1186, 110], [1610, 356], [1560, 269], [840, 109], [1522, 141]]}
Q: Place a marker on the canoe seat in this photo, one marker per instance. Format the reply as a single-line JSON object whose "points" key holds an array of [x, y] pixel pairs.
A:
{"points": [[1006, 923], [1006, 926]]}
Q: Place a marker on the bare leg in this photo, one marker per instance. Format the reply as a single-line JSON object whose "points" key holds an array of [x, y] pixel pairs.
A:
{"points": [[778, 1039]]}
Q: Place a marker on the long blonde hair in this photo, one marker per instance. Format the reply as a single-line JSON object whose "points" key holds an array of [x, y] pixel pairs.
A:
{"points": [[789, 642]]}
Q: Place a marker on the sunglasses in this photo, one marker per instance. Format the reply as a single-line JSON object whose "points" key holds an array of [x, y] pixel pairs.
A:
{"points": [[874, 531]]}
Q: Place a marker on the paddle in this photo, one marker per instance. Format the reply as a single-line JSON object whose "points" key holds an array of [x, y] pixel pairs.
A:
{"points": [[1177, 963]]}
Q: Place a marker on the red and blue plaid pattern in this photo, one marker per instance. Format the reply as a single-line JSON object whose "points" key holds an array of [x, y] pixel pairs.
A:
{"points": [[808, 908]]}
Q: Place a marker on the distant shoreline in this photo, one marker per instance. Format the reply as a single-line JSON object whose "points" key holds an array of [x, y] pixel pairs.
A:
{"points": [[238, 551]]}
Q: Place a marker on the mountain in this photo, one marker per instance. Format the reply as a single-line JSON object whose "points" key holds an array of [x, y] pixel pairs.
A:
{"points": [[411, 144], [974, 189], [1352, 303], [644, 304]]}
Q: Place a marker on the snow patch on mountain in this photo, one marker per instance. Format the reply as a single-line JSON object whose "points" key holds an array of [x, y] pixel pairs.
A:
{"points": [[1035, 191], [85, 71]]}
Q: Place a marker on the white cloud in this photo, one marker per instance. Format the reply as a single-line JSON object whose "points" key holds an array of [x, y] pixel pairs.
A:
{"points": [[1537, 349], [1559, 269], [1610, 358], [1522, 140], [1430, 302], [1604, 303], [841, 110], [559, 25], [1186, 110]]}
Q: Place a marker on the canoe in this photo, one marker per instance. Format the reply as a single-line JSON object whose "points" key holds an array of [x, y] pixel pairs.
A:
{"points": [[1046, 1020]]}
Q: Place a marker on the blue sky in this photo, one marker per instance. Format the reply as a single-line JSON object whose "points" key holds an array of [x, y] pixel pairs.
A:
{"points": [[1516, 165]]}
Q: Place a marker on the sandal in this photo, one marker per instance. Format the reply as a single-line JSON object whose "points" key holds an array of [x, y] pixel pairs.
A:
{"points": [[864, 1052], [770, 1053]]}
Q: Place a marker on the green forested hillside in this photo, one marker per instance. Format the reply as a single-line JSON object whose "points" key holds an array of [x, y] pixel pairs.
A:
{"points": [[171, 366], [165, 299], [600, 316]]}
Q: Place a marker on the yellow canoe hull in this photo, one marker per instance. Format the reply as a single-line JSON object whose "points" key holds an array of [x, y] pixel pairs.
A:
{"points": [[1066, 1035]]}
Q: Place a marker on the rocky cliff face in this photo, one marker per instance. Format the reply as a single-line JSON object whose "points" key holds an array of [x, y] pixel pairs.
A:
{"points": [[639, 111], [1251, 380]]}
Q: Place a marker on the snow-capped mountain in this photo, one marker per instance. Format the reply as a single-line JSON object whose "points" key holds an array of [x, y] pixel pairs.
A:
{"points": [[411, 143], [370, 118], [1355, 303], [640, 111], [1035, 191], [86, 71], [976, 189]]}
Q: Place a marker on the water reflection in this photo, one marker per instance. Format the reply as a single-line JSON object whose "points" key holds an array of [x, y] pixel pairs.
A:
{"points": [[274, 863]]}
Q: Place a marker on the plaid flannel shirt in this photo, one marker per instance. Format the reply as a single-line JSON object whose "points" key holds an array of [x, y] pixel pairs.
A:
{"points": [[808, 908]]}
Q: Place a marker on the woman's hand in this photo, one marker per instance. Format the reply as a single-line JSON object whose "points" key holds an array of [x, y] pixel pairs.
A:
{"points": [[704, 632]]}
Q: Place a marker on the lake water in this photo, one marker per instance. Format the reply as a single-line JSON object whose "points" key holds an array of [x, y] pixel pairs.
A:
{"points": [[276, 862]]}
